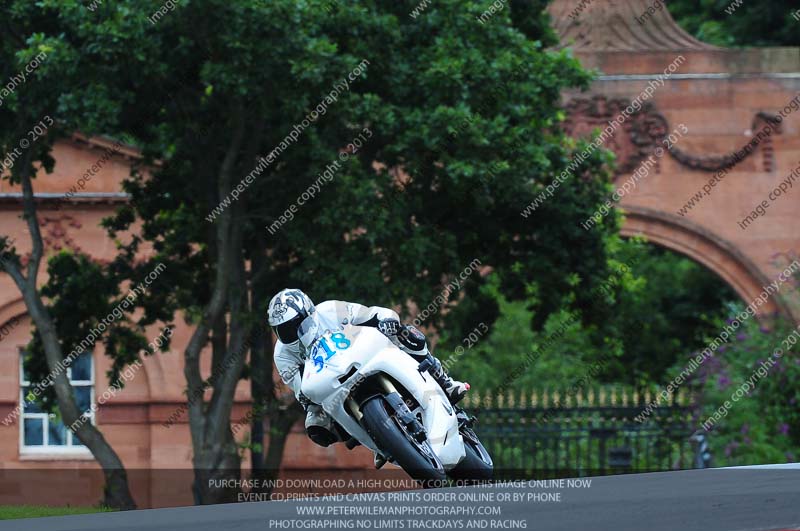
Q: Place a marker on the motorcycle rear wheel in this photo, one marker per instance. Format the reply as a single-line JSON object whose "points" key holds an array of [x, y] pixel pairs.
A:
{"points": [[416, 458]]}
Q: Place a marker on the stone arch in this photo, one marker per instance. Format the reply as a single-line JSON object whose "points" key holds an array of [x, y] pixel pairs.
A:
{"points": [[16, 308], [13, 325], [704, 247], [13, 308]]}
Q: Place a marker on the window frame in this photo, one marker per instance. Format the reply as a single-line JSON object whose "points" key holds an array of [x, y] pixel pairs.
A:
{"points": [[73, 446]]}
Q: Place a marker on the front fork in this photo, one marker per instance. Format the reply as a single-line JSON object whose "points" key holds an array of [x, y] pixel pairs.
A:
{"points": [[412, 425], [352, 405]]}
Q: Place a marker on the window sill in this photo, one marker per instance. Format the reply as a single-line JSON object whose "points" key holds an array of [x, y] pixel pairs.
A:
{"points": [[50, 455]]}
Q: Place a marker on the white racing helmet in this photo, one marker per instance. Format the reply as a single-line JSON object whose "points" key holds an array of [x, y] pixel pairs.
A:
{"points": [[287, 310]]}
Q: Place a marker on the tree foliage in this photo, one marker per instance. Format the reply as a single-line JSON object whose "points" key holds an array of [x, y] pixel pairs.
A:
{"points": [[751, 23], [47, 74], [750, 392], [665, 306], [461, 129]]}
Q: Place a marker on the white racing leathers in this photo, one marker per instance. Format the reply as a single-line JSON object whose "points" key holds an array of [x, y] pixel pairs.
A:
{"points": [[330, 315]]}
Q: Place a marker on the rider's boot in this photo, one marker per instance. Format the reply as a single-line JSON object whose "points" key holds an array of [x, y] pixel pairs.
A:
{"points": [[454, 389], [379, 460], [413, 342]]}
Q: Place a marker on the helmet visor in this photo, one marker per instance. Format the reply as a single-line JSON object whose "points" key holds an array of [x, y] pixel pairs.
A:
{"points": [[287, 332], [308, 331]]}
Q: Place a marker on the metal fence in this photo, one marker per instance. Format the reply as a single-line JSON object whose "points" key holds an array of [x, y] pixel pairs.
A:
{"points": [[540, 435]]}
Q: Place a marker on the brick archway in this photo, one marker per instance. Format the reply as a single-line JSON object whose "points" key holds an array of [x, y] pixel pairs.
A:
{"points": [[723, 128], [701, 245], [11, 309], [140, 387]]}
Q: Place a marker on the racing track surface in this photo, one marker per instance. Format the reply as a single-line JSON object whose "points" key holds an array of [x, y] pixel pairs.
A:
{"points": [[702, 500]]}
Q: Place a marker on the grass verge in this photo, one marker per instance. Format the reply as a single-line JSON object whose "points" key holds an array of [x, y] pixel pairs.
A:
{"points": [[15, 512]]}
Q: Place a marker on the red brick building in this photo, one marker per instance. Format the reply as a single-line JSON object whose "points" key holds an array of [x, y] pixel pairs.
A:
{"points": [[721, 97], [40, 462]]}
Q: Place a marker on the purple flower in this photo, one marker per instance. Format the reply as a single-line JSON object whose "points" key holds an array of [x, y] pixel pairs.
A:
{"points": [[785, 429], [722, 348], [745, 428], [741, 336], [723, 381], [792, 401], [764, 329], [746, 440], [730, 448]]}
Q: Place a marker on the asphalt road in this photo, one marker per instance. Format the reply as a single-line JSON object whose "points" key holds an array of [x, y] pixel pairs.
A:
{"points": [[702, 500]]}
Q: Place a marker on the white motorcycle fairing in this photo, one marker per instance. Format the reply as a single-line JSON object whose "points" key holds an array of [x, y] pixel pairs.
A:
{"points": [[350, 356]]}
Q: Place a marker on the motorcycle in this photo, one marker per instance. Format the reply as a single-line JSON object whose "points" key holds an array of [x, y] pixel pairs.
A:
{"points": [[386, 401]]}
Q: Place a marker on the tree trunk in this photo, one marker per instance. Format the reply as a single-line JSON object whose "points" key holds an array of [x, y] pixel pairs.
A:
{"points": [[281, 420], [216, 457], [257, 390], [259, 368], [280, 417], [216, 469], [116, 492]]}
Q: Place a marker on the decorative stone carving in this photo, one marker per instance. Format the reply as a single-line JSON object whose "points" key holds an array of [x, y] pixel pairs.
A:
{"points": [[644, 130], [632, 141], [54, 232], [762, 122]]}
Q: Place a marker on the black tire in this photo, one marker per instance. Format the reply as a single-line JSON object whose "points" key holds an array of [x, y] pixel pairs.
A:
{"points": [[477, 464], [390, 437]]}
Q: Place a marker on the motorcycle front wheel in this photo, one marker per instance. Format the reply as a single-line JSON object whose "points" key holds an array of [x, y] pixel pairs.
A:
{"points": [[416, 458], [477, 464]]}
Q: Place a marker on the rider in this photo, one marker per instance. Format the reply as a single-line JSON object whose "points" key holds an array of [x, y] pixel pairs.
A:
{"points": [[289, 307]]}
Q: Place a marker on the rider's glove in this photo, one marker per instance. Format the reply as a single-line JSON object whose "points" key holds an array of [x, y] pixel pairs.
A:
{"points": [[389, 327]]}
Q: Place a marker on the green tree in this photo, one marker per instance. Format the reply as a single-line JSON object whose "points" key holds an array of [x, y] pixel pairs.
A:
{"points": [[507, 354], [666, 306], [36, 110], [760, 423], [669, 309], [448, 132], [460, 125], [750, 23]]}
